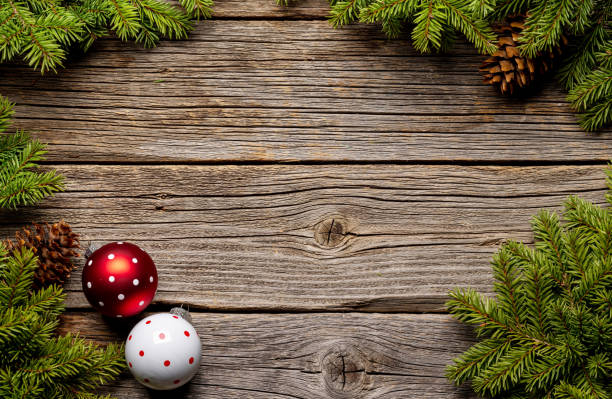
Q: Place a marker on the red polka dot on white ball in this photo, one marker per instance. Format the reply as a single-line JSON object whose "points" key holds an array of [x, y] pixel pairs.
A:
{"points": [[163, 351]]}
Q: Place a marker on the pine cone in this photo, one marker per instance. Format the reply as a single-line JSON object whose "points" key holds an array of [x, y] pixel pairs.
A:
{"points": [[506, 69], [55, 245]]}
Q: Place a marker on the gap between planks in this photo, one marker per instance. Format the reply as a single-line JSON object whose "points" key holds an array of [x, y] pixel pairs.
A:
{"points": [[238, 162]]}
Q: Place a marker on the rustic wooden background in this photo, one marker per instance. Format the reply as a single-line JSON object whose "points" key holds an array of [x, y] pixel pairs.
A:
{"points": [[311, 194]]}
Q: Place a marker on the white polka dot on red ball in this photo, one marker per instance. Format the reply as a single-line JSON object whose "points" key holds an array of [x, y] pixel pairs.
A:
{"points": [[163, 351]]}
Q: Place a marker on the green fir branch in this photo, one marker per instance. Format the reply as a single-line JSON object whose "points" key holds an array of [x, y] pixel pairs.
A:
{"points": [[477, 31], [536, 284], [548, 331], [35, 362], [595, 87], [42, 31], [428, 27], [19, 184], [508, 286], [345, 12], [22, 36], [169, 21], [504, 373], [504, 8], [479, 356], [20, 181], [582, 61], [581, 19], [125, 21], [199, 9], [434, 22], [481, 8], [544, 25], [16, 279], [382, 10], [6, 113]]}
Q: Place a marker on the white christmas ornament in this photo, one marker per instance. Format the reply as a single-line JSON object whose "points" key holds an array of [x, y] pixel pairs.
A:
{"points": [[163, 350]]}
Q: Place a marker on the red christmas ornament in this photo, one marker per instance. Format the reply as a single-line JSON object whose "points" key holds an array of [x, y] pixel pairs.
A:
{"points": [[119, 279]]}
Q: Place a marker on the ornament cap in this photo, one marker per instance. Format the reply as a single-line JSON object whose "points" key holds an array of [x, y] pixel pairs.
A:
{"points": [[91, 248], [183, 313]]}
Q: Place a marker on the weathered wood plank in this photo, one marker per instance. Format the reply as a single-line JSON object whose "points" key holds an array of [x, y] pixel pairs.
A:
{"points": [[332, 355], [311, 237], [303, 9], [289, 91]]}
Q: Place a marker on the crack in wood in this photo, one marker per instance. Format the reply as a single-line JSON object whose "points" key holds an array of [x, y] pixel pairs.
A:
{"points": [[330, 230]]}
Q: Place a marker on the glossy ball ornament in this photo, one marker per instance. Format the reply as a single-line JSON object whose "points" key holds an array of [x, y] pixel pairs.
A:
{"points": [[119, 279], [163, 350]]}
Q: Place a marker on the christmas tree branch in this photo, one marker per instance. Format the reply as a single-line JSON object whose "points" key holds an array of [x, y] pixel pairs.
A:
{"points": [[41, 32], [508, 286], [559, 333], [35, 362], [20, 183]]}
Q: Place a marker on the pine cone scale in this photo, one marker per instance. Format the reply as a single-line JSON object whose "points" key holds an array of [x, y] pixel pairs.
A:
{"points": [[512, 52]]}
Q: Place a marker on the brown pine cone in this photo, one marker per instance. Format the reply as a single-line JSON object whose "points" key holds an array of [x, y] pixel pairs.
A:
{"points": [[506, 69], [55, 245]]}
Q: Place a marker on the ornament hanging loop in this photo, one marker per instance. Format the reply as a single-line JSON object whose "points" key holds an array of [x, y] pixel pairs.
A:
{"points": [[91, 248], [183, 313]]}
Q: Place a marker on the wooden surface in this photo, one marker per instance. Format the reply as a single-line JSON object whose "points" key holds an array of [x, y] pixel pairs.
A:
{"points": [[290, 90], [333, 355], [280, 172], [260, 237]]}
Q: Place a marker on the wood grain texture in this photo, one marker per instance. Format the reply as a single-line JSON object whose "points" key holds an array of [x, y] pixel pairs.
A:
{"points": [[331, 355], [311, 237], [244, 90], [134, 131], [269, 9]]}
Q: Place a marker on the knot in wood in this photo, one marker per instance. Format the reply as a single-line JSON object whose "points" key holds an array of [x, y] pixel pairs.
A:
{"points": [[331, 232], [343, 370]]}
